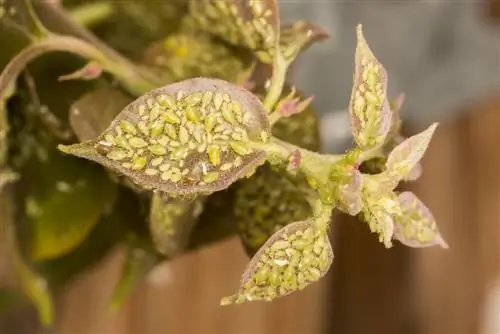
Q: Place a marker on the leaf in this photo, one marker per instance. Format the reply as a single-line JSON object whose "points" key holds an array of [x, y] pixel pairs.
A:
{"points": [[265, 203], [64, 198], [139, 261], [111, 229], [92, 70], [294, 257], [380, 221], [187, 54], [349, 193], [252, 24], [301, 129], [187, 139], [405, 156], [298, 37], [171, 222], [369, 111], [92, 113], [35, 288], [416, 226]]}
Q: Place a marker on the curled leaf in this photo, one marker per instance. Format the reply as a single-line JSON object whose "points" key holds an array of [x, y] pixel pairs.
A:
{"points": [[297, 37], [190, 138], [369, 110], [171, 222], [293, 258], [249, 23], [416, 226], [90, 71], [266, 203], [405, 156], [381, 222], [300, 129]]}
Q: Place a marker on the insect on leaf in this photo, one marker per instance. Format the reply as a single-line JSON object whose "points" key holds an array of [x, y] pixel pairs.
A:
{"points": [[265, 203], [369, 110], [194, 137], [416, 226], [292, 259], [249, 23]]}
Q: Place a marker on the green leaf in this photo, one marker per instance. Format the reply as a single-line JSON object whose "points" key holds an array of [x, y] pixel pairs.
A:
{"points": [[92, 113], [416, 226], [294, 257], [265, 203], [405, 156], [35, 288], [369, 110], [171, 222], [112, 228], [252, 24], [187, 139], [139, 261], [188, 54], [64, 198]]}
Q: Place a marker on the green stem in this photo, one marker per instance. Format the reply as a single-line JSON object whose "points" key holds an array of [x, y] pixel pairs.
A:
{"points": [[135, 81], [91, 14], [278, 78]]}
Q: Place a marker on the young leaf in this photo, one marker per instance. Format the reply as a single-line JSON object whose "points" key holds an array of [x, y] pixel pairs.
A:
{"points": [[139, 261], [249, 23], [190, 138], [265, 203], [380, 222], [369, 110], [415, 226], [297, 37], [91, 114], [408, 153], [300, 129], [171, 222], [294, 257], [349, 193]]}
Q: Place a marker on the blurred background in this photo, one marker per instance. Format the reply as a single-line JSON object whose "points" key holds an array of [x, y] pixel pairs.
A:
{"points": [[445, 55]]}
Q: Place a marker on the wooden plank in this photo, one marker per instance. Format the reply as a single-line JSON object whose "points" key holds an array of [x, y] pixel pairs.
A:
{"points": [[188, 300]]}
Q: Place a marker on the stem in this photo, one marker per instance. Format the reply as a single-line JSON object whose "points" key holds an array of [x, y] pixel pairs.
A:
{"points": [[313, 165], [92, 13], [277, 81], [322, 214], [135, 81]]}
